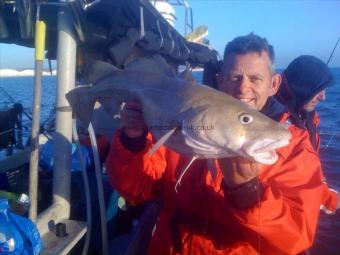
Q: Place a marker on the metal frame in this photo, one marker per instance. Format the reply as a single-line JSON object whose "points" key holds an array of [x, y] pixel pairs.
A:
{"points": [[189, 22]]}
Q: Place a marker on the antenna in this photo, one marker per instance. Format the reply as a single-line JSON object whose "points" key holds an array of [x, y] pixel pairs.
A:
{"points": [[329, 59]]}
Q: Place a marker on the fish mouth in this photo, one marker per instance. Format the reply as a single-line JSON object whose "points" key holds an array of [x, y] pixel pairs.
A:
{"points": [[272, 145], [263, 151]]}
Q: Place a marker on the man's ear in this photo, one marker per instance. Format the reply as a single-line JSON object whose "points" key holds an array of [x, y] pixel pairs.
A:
{"points": [[276, 82]]}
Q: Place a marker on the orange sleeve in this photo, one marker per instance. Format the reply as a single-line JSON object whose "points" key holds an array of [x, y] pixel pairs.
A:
{"points": [[330, 196], [329, 200], [286, 218], [134, 174]]}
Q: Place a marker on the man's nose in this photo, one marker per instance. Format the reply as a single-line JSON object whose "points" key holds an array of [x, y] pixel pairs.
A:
{"points": [[244, 85], [322, 95]]}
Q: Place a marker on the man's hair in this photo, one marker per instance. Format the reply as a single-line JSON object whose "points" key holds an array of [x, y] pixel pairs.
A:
{"points": [[250, 43]]}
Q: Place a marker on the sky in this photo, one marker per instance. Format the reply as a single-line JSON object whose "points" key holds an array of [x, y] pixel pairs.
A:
{"points": [[293, 27]]}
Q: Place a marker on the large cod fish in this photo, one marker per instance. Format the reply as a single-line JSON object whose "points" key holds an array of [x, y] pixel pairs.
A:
{"points": [[192, 119]]}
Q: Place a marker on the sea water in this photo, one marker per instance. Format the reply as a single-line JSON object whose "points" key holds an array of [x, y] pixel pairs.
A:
{"points": [[327, 238], [20, 90]]}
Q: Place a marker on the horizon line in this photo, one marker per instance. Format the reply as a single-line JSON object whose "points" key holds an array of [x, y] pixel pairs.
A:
{"points": [[47, 69]]}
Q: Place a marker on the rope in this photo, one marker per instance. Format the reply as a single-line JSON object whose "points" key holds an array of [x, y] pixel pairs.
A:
{"points": [[9, 130], [332, 134]]}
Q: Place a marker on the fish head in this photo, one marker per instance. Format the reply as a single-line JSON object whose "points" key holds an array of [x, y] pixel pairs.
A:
{"points": [[226, 131], [262, 136]]}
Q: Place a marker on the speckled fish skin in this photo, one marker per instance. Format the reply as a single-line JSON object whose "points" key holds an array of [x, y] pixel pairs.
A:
{"points": [[209, 122]]}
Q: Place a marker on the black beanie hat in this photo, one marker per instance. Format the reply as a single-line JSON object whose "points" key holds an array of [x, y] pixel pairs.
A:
{"points": [[307, 76]]}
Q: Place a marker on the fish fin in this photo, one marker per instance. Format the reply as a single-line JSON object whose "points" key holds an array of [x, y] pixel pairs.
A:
{"points": [[178, 183], [161, 141], [99, 70], [82, 105], [155, 64], [212, 168], [111, 105]]}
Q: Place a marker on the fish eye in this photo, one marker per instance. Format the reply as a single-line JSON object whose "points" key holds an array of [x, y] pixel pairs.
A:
{"points": [[245, 118]]}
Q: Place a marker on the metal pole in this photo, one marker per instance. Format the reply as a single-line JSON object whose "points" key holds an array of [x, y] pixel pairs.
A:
{"points": [[66, 62], [63, 133], [34, 160]]}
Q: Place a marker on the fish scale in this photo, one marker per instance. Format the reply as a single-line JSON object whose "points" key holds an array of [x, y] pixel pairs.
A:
{"points": [[168, 102]]}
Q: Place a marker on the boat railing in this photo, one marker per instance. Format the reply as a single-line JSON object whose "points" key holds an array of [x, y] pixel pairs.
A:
{"points": [[188, 19], [165, 8]]}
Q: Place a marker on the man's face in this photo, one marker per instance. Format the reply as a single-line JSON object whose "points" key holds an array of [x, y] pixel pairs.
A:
{"points": [[311, 104], [249, 78]]}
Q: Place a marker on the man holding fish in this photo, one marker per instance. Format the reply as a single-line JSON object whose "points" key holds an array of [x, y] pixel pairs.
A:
{"points": [[252, 184]]}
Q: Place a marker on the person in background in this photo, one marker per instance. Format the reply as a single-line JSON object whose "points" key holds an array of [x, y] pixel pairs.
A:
{"points": [[248, 208], [303, 87]]}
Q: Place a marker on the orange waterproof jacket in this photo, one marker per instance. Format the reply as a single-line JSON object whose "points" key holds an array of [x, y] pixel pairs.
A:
{"points": [[199, 218], [330, 196]]}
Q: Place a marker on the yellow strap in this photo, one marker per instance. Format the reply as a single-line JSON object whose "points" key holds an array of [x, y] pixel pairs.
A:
{"points": [[40, 31]]}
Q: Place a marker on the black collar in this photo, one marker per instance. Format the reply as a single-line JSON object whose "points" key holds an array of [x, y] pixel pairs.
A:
{"points": [[273, 109]]}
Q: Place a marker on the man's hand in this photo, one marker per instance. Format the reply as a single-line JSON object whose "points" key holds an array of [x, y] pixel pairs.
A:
{"points": [[132, 119], [238, 170]]}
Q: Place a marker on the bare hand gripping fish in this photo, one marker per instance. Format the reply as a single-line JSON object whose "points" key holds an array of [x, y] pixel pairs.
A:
{"points": [[192, 119]]}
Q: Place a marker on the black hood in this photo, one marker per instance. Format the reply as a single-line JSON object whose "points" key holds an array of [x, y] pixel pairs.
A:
{"points": [[304, 77]]}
